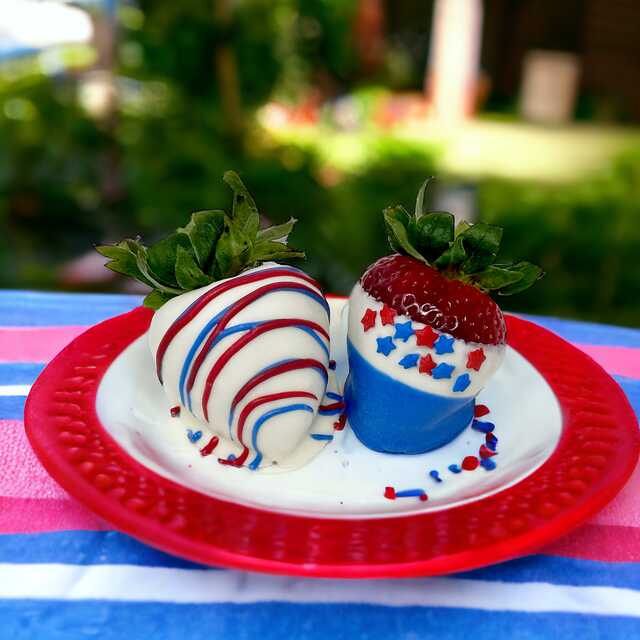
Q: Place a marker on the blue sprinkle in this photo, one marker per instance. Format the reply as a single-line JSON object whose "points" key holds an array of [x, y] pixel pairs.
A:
{"points": [[332, 365], [403, 331], [409, 493], [444, 344], [483, 427], [435, 475], [488, 464], [321, 436], [462, 382], [385, 345], [454, 468], [492, 445], [409, 361], [194, 437], [443, 370]]}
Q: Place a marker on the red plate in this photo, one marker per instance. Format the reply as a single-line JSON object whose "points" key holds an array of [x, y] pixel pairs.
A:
{"points": [[596, 454]]}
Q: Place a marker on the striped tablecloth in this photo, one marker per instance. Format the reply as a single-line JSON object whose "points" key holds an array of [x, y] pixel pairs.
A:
{"points": [[66, 574]]}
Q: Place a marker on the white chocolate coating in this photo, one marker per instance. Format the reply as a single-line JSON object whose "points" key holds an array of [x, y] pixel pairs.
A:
{"points": [[287, 423]]}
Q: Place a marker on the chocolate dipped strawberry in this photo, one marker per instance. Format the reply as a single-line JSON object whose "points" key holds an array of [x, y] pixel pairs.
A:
{"points": [[424, 334]]}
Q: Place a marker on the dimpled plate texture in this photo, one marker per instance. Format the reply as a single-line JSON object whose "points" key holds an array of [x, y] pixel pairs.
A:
{"points": [[596, 454]]}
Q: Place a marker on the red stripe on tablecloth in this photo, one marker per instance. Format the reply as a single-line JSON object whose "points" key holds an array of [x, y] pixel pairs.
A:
{"points": [[620, 361], [35, 344], [604, 543], [33, 515]]}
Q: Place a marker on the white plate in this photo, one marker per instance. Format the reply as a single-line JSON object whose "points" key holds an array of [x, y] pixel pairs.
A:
{"points": [[346, 479]]}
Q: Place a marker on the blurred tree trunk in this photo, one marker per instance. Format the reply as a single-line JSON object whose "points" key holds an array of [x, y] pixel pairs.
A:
{"points": [[369, 35], [226, 69]]}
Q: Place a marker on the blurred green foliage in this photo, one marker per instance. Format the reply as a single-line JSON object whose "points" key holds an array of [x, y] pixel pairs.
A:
{"points": [[69, 180]]}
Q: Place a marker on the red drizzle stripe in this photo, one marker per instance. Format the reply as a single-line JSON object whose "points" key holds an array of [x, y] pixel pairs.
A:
{"points": [[233, 310], [207, 450], [271, 325], [294, 365], [244, 414], [201, 302], [236, 462], [331, 407]]}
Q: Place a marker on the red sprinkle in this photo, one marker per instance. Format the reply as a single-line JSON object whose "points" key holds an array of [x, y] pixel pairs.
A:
{"points": [[426, 364], [339, 425], [175, 412], [490, 437], [424, 497], [207, 450], [485, 452], [368, 319], [470, 463], [475, 359], [387, 315], [481, 410], [390, 493]]}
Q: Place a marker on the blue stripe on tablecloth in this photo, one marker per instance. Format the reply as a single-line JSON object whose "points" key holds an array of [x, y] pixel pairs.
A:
{"points": [[84, 547], [111, 547], [37, 309], [56, 620], [631, 388], [12, 407], [589, 332], [19, 372]]}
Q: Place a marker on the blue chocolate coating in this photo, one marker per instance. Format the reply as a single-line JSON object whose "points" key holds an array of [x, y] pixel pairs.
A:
{"points": [[389, 416]]}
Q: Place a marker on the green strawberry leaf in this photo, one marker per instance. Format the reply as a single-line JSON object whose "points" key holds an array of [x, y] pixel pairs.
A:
{"points": [[454, 256], [188, 274], [278, 232], [272, 250], [420, 208], [123, 259], [397, 222], [245, 213], [530, 273], [493, 278], [432, 233], [161, 257], [481, 242], [156, 299], [232, 251], [461, 227], [203, 230]]}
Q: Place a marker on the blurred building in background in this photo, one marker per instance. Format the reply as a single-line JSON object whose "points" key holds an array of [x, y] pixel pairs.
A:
{"points": [[118, 118]]}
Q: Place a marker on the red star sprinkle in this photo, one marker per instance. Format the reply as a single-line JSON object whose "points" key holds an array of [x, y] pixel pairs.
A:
{"points": [[426, 337], [481, 410], [475, 359], [387, 315], [368, 319], [426, 364]]}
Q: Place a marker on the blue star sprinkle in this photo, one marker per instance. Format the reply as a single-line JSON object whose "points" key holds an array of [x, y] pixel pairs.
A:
{"points": [[403, 331], [385, 345], [194, 437], [444, 344], [409, 361], [462, 382], [443, 370]]}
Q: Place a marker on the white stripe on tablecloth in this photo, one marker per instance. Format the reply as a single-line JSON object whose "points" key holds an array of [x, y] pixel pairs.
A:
{"points": [[200, 586], [15, 389]]}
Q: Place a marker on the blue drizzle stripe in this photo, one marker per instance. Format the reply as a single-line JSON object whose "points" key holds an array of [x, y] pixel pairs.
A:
{"points": [[19, 372], [322, 436], [322, 373], [334, 396], [330, 412], [12, 407], [267, 416], [214, 321], [55, 620]]}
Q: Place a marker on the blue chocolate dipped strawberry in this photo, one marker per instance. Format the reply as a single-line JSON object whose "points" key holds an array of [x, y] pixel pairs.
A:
{"points": [[424, 334]]}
